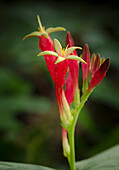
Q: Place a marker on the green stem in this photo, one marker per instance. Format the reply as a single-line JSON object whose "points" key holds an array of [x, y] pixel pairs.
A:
{"points": [[72, 130], [72, 149]]}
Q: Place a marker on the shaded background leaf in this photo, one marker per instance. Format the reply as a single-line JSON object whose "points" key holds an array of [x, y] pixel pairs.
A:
{"points": [[105, 161], [18, 166]]}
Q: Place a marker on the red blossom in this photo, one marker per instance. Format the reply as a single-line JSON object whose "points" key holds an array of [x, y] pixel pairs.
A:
{"points": [[73, 64], [60, 73], [69, 88], [47, 44], [72, 85], [57, 71]]}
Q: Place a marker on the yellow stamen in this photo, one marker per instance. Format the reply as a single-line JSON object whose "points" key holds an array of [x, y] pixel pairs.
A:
{"points": [[39, 21], [64, 51], [42, 30]]}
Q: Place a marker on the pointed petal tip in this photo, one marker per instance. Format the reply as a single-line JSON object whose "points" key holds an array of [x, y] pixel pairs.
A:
{"points": [[58, 46], [74, 57], [38, 16], [51, 53], [33, 34], [51, 29], [68, 34], [105, 64], [69, 39], [86, 47]]}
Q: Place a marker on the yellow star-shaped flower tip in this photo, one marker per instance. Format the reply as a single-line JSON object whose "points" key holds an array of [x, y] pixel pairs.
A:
{"points": [[42, 30]]}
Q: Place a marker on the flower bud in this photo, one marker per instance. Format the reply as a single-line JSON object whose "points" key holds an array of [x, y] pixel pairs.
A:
{"points": [[66, 108], [85, 67], [65, 143], [99, 74]]}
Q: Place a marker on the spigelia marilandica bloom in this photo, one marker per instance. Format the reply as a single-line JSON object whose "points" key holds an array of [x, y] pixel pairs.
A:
{"points": [[73, 74], [63, 55], [58, 71], [61, 61], [46, 43]]}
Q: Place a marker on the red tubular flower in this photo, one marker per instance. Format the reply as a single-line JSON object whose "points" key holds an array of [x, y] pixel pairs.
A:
{"points": [[57, 71], [72, 82], [47, 44], [99, 74], [73, 64], [69, 88], [60, 73], [85, 67], [57, 63], [64, 56]]}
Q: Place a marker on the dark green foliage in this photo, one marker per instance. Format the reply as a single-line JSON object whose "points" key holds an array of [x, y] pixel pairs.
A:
{"points": [[18, 166], [106, 160]]}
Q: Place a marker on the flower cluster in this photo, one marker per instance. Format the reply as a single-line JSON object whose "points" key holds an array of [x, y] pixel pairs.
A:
{"points": [[65, 61], [94, 71]]}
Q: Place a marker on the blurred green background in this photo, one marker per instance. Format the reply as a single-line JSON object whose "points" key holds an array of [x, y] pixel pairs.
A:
{"points": [[30, 130]]}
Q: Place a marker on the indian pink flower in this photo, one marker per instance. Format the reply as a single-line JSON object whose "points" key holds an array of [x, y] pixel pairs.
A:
{"points": [[73, 64], [69, 88], [72, 78], [46, 43], [57, 62], [61, 65], [64, 61]]}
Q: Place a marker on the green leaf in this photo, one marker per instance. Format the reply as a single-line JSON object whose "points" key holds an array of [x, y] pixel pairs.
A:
{"points": [[60, 59], [48, 53], [71, 49], [107, 160], [19, 166], [74, 57]]}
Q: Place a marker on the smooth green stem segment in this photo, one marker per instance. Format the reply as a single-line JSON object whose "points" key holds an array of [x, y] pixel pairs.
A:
{"points": [[72, 149], [72, 130]]}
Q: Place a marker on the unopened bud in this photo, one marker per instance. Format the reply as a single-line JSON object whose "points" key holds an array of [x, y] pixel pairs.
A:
{"points": [[66, 108], [65, 143]]}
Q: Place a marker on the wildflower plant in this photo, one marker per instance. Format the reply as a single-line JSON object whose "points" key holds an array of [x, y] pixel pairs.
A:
{"points": [[65, 61]]}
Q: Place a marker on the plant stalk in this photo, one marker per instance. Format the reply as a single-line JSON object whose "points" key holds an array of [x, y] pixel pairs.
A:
{"points": [[72, 130], [72, 149]]}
